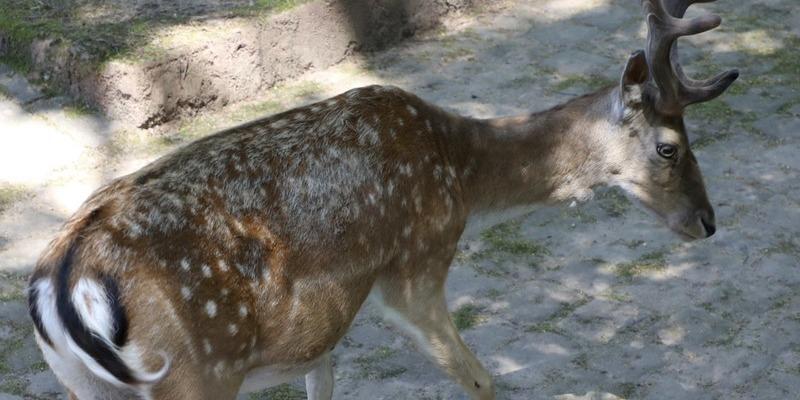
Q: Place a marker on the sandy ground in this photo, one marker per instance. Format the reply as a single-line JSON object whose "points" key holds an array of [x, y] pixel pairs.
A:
{"points": [[596, 301]]}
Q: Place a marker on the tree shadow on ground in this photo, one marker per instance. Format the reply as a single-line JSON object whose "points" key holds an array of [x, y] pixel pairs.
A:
{"points": [[574, 321]]}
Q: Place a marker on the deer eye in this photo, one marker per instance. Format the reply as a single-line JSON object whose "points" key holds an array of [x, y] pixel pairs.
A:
{"points": [[666, 150]]}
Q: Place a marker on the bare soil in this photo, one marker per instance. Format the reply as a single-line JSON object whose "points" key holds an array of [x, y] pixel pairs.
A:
{"points": [[595, 301]]}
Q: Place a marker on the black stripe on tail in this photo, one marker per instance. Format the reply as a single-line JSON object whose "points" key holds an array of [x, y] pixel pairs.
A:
{"points": [[33, 309], [100, 350]]}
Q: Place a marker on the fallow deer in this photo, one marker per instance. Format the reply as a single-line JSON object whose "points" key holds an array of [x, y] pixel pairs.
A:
{"points": [[240, 260]]}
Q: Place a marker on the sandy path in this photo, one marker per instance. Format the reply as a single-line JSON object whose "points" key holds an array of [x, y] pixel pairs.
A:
{"points": [[596, 301]]}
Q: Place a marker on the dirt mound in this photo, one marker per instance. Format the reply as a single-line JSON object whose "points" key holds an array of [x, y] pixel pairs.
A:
{"points": [[145, 63]]}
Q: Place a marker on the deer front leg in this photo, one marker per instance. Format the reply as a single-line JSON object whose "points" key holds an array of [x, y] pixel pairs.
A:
{"points": [[418, 308], [319, 382]]}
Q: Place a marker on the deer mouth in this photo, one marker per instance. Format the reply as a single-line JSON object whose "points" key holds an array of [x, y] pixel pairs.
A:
{"points": [[690, 228]]}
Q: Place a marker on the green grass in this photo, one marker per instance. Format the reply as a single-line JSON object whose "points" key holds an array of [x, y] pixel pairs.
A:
{"points": [[614, 295], [581, 361], [12, 287], [550, 325], [281, 392], [589, 82], [78, 110], [23, 23], [266, 7], [783, 246], [506, 238], [10, 194], [467, 316], [102, 40], [614, 202], [653, 261], [626, 390], [374, 365], [544, 327], [13, 385], [579, 214]]}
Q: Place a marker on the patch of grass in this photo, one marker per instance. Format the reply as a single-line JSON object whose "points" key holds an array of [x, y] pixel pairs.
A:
{"points": [[281, 392], [126, 142], [299, 91], [493, 293], [39, 366], [374, 366], [653, 261], [614, 202], [457, 52], [614, 295], [267, 7], [632, 244], [626, 390], [78, 110], [9, 347], [728, 337], [578, 213], [10, 194], [550, 324], [589, 82], [506, 238], [24, 22], [781, 302], [13, 385], [467, 316], [711, 111], [544, 327], [783, 246], [101, 39], [786, 59], [581, 361]]}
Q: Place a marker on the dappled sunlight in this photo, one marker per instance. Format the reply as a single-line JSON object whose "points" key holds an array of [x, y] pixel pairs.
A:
{"points": [[31, 149], [557, 10], [753, 42], [506, 365], [66, 197], [671, 335], [550, 349]]}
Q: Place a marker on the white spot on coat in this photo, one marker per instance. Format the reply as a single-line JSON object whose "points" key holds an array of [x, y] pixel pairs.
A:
{"points": [[211, 308]]}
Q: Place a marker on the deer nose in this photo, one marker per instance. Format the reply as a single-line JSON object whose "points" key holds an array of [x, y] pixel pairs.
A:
{"points": [[707, 219], [710, 227]]}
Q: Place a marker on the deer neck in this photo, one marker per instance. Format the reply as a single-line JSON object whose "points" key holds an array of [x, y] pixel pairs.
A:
{"points": [[545, 157]]}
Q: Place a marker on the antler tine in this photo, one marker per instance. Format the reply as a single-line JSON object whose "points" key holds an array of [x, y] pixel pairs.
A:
{"points": [[665, 25]]}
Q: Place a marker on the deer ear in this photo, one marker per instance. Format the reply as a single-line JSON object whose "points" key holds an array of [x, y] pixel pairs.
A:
{"points": [[635, 74], [635, 69]]}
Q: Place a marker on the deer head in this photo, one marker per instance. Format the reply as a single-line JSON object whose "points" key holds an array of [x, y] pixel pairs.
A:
{"points": [[655, 164]]}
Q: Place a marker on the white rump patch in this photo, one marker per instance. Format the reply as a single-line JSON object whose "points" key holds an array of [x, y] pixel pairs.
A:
{"points": [[91, 302], [74, 367]]}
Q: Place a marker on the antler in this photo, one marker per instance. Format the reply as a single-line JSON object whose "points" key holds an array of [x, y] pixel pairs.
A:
{"points": [[665, 25]]}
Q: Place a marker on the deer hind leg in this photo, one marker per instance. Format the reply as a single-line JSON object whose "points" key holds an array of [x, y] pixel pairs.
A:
{"points": [[418, 307], [319, 381]]}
